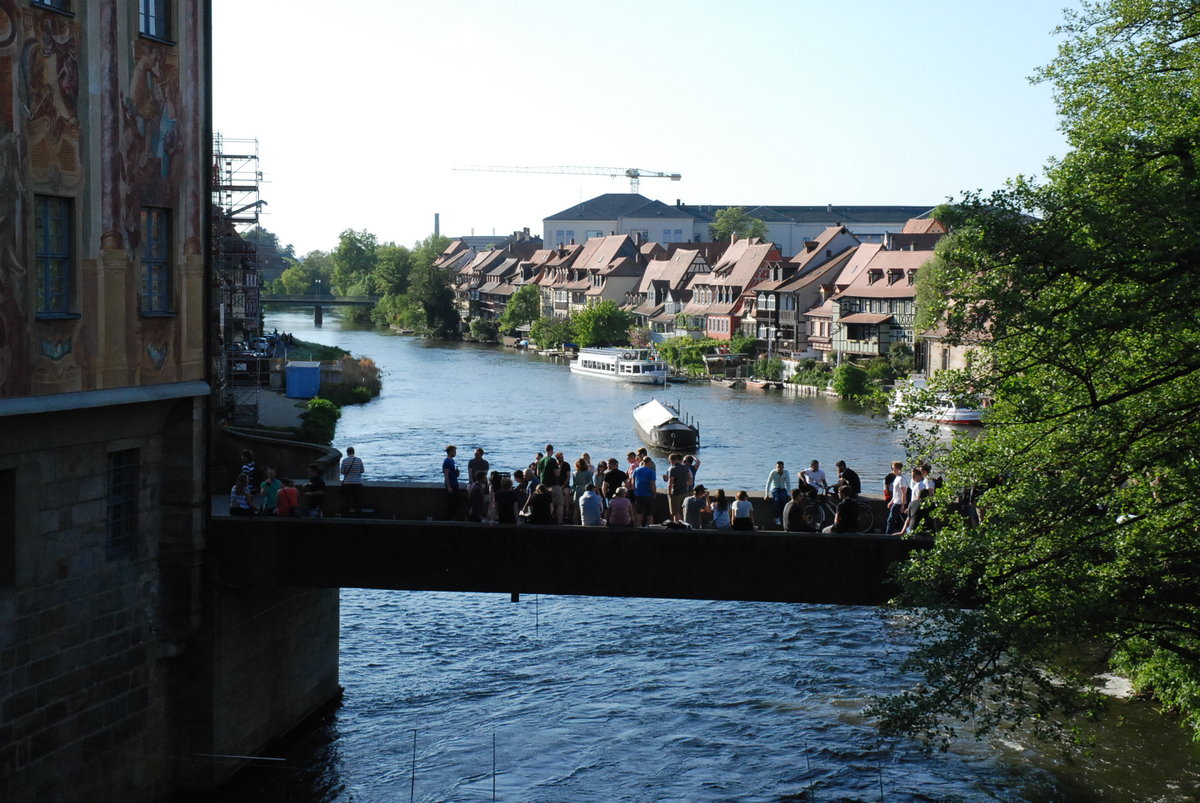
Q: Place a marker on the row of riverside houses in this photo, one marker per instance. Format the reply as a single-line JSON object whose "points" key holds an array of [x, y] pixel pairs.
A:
{"points": [[837, 294]]}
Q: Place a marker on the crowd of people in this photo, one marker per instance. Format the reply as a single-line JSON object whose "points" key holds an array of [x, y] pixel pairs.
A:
{"points": [[279, 496], [622, 493], [610, 492]]}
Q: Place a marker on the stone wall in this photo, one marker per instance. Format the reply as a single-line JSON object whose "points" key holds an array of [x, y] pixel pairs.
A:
{"points": [[90, 624]]}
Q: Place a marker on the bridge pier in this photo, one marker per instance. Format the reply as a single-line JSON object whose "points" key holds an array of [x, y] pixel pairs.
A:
{"points": [[318, 314]]}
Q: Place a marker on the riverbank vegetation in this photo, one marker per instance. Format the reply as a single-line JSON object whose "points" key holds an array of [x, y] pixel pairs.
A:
{"points": [[360, 378], [1078, 292], [411, 294]]}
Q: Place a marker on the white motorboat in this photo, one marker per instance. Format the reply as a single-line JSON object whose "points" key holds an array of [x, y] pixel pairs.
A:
{"points": [[660, 425], [942, 410], [621, 365]]}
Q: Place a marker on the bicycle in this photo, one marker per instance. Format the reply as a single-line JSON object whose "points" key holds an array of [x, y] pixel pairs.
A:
{"points": [[820, 510]]}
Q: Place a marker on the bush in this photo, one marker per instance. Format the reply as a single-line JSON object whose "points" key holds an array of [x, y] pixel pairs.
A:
{"points": [[319, 422], [772, 368], [815, 377], [484, 330], [850, 380], [880, 370]]}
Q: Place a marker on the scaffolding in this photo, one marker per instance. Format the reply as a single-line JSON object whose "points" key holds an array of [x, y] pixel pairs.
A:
{"points": [[237, 318]]}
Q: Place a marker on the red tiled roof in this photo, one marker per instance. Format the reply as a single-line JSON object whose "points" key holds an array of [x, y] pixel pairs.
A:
{"points": [[926, 225], [865, 317]]}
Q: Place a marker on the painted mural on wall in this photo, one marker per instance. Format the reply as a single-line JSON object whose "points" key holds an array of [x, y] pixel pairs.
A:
{"points": [[152, 155], [144, 138], [14, 199]]}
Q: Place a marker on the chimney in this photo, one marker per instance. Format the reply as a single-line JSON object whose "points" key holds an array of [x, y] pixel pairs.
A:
{"points": [[437, 223]]}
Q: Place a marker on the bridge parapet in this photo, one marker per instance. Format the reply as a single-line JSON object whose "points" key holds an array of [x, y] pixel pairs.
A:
{"points": [[591, 561]]}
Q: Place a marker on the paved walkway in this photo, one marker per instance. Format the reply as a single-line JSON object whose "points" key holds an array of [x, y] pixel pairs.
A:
{"points": [[277, 410]]}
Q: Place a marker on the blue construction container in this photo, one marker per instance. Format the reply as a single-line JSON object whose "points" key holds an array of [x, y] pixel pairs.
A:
{"points": [[303, 379]]}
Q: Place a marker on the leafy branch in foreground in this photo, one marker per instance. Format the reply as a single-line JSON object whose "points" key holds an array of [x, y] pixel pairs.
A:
{"points": [[1080, 292]]}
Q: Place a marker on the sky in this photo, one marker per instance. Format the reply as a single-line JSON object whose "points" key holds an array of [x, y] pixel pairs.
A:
{"points": [[361, 111]]}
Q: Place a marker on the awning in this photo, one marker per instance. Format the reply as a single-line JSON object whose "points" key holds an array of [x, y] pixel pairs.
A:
{"points": [[865, 317]]}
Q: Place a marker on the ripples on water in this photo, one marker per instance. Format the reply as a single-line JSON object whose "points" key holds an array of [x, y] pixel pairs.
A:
{"points": [[600, 699]]}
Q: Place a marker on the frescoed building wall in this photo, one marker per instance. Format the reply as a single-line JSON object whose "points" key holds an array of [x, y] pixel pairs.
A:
{"points": [[104, 188]]}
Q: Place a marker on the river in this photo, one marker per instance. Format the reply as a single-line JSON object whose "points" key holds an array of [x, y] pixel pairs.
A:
{"points": [[466, 696]]}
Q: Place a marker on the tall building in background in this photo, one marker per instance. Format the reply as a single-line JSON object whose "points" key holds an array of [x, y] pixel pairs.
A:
{"points": [[104, 209]]}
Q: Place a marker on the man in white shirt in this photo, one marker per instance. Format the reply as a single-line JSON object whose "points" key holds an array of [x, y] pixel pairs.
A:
{"points": [[897, 507], [815, 475]]}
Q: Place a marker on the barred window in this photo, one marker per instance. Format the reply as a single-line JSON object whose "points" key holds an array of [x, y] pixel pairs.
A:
{"points": [[122, 502], [156, 261], [53, 253]]}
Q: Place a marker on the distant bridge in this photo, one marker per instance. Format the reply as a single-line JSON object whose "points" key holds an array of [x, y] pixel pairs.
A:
{"points": [[320, 302]]}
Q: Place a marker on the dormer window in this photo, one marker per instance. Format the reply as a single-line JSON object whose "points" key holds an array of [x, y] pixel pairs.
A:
{"points": [[874, 275], [894, 275], [912, 277]]}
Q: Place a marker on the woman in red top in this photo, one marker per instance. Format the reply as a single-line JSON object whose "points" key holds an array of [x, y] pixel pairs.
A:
{"points": [[288, 499]]}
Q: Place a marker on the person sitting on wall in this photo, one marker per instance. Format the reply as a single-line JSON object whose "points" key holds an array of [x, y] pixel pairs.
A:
{"points": [[591, 508], [314, 492], [287, 500], [742, 512], [240, 501], [845, 518], [620, 509], [793, 513]]}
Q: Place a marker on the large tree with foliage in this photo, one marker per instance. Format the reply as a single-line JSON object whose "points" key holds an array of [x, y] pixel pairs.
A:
{"points": [[393, 263], [354, 262], [551, 333], [523, 308], [301, 279], [602, 324], [1083, 290], [734, 224], [430, 288]]}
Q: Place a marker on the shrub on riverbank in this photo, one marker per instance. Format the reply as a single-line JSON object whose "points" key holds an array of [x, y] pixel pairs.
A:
{"points": [[850, 380], [319, 422]]}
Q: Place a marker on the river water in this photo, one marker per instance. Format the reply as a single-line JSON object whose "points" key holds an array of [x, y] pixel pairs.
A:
{"points": [[472, 697]]}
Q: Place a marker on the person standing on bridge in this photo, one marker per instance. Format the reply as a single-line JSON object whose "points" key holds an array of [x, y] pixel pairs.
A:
{"points": [[645, 493], [450, 481], [477, 464], [352, 482]]}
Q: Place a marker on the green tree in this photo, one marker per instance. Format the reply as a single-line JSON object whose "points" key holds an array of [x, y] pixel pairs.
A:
{"points": [[301, 279], [850, 380], [523, 308], [734, 224], [484, 330], [741, 343], [354, 262], [432, 293], [425, 252], [602, 324], [393, 263], [1081, 290], [551, 333]]}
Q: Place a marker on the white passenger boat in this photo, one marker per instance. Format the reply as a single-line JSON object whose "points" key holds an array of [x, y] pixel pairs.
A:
{"points": [[621, 365], [943, 409], [662, 426]]}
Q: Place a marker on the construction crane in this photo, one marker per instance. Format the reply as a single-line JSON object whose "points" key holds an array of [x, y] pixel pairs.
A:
{"points": [[634, 174]]}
